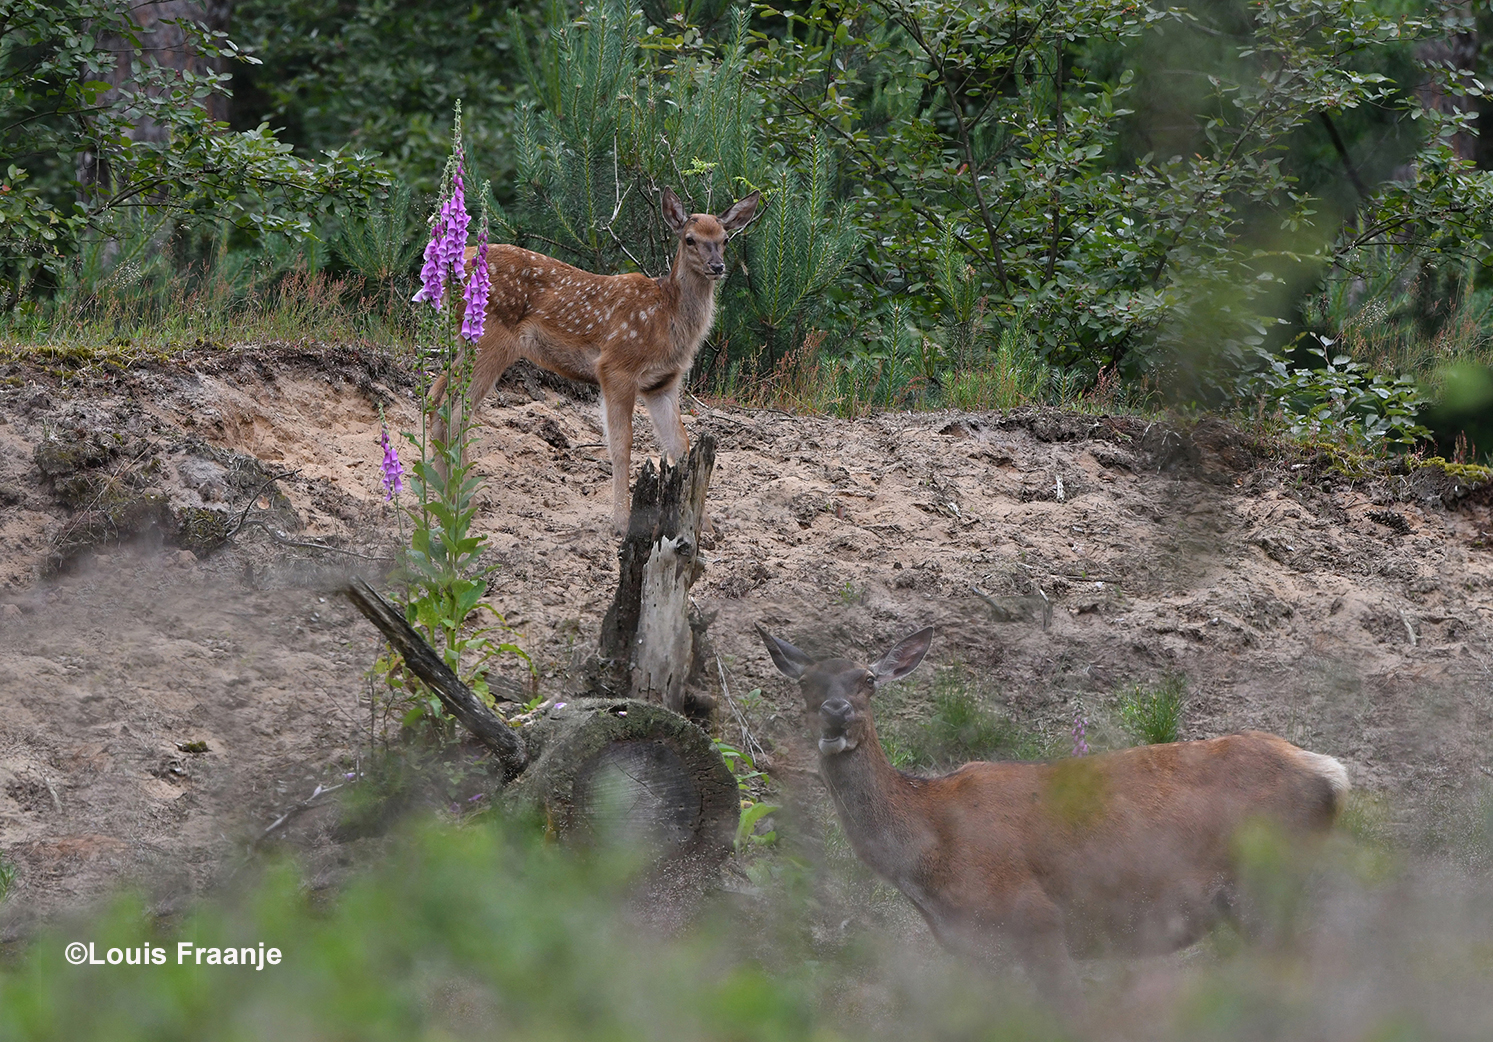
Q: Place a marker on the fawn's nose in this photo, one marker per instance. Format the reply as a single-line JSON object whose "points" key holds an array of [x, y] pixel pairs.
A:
{"points": [[717, 268], [836, 713]]}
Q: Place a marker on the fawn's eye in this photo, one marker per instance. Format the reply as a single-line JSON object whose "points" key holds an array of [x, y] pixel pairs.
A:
{"points": [[689, 240]]}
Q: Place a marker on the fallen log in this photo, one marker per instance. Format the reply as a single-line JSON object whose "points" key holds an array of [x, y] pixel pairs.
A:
{"points": [[460, 701], [623, 771]]}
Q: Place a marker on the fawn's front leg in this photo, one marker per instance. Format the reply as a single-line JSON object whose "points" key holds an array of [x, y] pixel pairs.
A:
{"points": [[616, 427], [668, 424]]}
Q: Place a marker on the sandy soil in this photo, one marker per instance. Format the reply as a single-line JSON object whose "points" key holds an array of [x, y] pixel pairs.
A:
{"points": [[1353, 617]]}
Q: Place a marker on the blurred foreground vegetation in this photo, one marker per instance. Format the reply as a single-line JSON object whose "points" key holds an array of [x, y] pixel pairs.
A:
{"points": [[486, 931]]}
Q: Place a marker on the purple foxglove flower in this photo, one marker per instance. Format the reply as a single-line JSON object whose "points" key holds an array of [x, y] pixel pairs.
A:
{"points": [[478, 287], [454, 213], [432, 275], [1080, 725], [393, 472]]}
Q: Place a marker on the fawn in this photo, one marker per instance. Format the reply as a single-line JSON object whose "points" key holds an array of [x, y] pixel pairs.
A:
{"points": [[632, 336]]}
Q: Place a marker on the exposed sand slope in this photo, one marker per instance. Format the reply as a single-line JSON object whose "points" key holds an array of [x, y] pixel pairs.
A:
{"points": [[1286, 604]]}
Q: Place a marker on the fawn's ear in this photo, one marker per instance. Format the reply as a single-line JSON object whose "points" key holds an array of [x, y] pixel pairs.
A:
{"points": [[904, 656], [741, 213], [675, 215], [790, 661]]}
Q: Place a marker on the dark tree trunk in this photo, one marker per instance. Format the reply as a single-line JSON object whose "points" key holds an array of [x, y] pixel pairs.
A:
{"points": [[166, 46], [1460, 52]]}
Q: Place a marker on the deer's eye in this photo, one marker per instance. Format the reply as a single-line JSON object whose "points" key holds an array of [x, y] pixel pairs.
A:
{"points": [[689, 239]]}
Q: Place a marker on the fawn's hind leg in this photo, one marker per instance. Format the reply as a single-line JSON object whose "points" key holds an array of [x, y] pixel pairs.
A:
{"points": [[496, 351]]}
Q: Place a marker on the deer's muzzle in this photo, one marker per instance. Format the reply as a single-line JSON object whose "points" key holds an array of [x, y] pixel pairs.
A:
{"points": [[835, 715]]}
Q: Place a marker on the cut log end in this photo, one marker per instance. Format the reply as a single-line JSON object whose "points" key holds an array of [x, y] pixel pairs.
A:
{"points": [[632, 773]]}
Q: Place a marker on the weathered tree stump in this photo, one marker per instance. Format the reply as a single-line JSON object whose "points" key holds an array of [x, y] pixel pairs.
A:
{"points": [[646, 634]]}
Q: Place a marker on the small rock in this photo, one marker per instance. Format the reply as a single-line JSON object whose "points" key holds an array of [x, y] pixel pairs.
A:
{"points": [[10, 611], [185, 558]]}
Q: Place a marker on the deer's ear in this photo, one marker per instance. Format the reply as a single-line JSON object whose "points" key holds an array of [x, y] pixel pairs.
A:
{"points": [[675, 215], [791, 662], [741, 213], [904, 657]]}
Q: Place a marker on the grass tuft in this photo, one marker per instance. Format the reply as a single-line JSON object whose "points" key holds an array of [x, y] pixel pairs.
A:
{"points": [[1153, 715]]}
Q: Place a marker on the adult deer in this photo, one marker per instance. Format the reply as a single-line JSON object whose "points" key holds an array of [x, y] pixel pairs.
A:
{"points": [[1128, 851], [631, 335]]}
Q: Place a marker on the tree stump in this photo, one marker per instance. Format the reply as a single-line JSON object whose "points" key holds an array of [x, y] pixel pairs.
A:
{"points": [[600, 770], [646, 635], [631, 773]]}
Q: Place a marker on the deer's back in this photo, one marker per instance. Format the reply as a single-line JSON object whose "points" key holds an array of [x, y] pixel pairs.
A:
{"points": [[1116, 837], [564, 299]]}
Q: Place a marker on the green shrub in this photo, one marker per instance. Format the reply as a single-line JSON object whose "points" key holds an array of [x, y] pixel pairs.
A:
{"points": [[1339, 396], [1153, 715]]}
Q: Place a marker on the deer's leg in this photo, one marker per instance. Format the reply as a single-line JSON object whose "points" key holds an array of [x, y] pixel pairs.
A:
{"points": [[496, 351], [1036, 927], [617, 401], [663, 410]]}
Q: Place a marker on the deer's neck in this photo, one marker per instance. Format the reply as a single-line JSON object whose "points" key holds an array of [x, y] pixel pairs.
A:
{"points": [[692, 307], [878, 807]]}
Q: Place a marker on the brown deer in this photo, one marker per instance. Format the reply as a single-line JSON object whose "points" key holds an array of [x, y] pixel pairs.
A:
{"points": [[630, 335], [1129, 852]]}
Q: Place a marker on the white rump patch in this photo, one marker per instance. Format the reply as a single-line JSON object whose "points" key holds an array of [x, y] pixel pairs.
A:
{"points": [[1326, 767]]}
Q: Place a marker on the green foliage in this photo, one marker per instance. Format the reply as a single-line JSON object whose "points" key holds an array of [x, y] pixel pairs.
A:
{"points": [[134, 295], [1341, 397], [85, 154], [1006, 132], [794, 253], [957, 728], [1153, 714], [377, 75], [1404, 314], [487, 931], [379, 245], [751, 782], [7, 876], [1013, 375]]}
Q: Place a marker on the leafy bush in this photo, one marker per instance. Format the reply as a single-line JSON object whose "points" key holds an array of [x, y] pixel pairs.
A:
{"points": [[85, 153], [1153, 715], [1340, 397]]}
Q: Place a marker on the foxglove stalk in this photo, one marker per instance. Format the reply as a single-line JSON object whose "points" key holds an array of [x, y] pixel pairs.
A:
{"points": [[478, 287], [392, 470], [432, 275], [457, 222], [448, 241]]}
